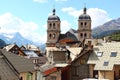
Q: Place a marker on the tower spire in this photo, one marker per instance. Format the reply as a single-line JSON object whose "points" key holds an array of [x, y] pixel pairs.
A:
{"points": [[54, 10], [85, 9]]}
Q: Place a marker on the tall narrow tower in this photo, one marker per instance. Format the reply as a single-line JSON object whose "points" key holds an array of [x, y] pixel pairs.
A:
{"points": [[53, 29], [84, 26]]}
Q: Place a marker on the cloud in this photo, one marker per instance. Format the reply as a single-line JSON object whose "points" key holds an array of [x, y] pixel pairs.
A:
{"points": [[65, 26], [98, 16], [41, 1], [11, 24]]}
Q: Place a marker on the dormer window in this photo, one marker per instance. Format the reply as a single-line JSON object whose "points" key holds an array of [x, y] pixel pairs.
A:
{"points": [[106, 63], [99, 54], [113, 54]]}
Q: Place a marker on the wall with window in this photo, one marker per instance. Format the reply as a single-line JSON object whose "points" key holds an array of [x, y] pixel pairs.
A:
{"points": [[28, 76]]}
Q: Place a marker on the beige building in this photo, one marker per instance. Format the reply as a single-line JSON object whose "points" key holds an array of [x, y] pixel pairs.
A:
{"points": [[14, 67], [104, 61], [54, 36]]}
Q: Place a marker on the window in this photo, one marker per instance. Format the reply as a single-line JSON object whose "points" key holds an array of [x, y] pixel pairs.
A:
{"points": [[85, 35], [81, 23], [106, 63], [85, 23], [50, 25], [81, 35], [53, 25], [99, 54], [113, 54], [50, 36]]}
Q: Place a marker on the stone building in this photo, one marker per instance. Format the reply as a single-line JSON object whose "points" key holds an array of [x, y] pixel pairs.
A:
{"points": [[54, 36]]}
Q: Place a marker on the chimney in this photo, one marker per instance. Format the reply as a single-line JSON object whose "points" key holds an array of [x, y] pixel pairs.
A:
{"points": [[89, 43]]}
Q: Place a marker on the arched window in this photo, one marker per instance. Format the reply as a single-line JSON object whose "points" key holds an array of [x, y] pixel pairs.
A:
{"points": [[85, 35], [81, 23], [85, 23], [81, 35], [50, 36], [53, 25], [50, 25]]}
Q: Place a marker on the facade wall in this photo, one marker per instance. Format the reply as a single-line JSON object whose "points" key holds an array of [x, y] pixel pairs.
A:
{"points": [[106, 75], [101, 74], [28, 76], [80, 68], [117, 71], [91, 68], [84, 29], [53, 32]]}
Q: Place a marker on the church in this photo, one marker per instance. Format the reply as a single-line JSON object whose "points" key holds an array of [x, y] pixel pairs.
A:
{"points": [[56, 39]]}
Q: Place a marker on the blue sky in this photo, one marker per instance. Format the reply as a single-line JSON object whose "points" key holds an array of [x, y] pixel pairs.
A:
{"points": [[29, 17]]}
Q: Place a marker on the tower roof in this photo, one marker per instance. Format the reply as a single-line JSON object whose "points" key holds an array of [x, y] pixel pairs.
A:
{"points": [[54, 16], [84, 16]]}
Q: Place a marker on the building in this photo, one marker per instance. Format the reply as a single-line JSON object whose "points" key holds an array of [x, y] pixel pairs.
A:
{"points": [[62, 49], [54, 36], [14, 48], [14, 67], [104, 61]]}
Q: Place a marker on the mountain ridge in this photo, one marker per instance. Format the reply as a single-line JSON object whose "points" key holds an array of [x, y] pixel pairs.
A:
{"points": [[108, 27], [18, 39]]}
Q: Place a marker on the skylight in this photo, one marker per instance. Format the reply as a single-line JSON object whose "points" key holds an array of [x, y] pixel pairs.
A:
{"points": [[99, 54], [113, 54], [106, 63]]}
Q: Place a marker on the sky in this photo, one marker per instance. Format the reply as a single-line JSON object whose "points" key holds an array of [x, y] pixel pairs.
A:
{"points": [[29, 17]]}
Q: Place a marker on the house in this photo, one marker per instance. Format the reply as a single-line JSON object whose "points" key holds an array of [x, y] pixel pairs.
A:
{"points": [[31, 47], [14, 67], [104, 61], [50, 72], [13, 48]]}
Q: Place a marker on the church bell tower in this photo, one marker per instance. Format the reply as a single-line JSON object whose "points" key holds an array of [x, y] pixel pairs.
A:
{"points": [[84, 26], [53, 29]]}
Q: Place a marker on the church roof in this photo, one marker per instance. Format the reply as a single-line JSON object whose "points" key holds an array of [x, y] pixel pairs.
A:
{"points": [[53, 16], [84, 16], [71, 34]]}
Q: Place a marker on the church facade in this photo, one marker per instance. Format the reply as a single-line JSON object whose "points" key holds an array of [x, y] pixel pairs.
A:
{"points": [[54, 36]]}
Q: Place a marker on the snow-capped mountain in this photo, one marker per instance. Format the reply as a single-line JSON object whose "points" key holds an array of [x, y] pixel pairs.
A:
{"points": [[19, 40]]}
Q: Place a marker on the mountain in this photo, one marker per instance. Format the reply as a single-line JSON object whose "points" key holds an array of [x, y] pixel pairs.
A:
{"points": [[19, 40], [107, 28]]}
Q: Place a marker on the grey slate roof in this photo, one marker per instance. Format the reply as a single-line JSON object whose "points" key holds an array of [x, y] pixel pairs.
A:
{"points": [[71, 34], [102, 58], [21, 64]]}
